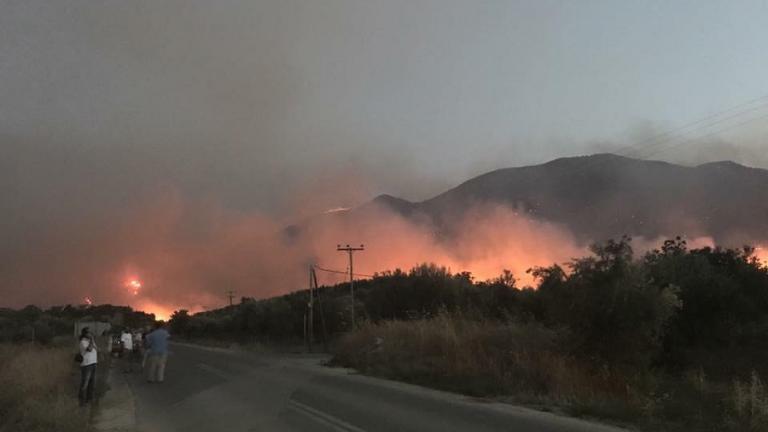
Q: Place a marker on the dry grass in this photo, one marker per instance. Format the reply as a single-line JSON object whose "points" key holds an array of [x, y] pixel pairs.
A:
{"points": [[522, 362], [748, 403], [530, 364], [38, 390]]}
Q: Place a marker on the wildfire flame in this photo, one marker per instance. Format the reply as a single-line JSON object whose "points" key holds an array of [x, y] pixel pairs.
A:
{"points": [[134, 285], [88, 301], [337, 210], [161, 311]]}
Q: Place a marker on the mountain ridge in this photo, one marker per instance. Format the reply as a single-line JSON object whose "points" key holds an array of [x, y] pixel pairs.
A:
{"points": [[606, 195]]}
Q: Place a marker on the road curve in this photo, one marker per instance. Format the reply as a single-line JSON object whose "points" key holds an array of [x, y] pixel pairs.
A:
{"points": [[221, 390]]}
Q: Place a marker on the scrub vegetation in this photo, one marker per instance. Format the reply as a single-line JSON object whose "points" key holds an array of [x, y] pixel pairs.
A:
{"points": [[33, 324], [38, 389], [38, 375], [670, 340]]}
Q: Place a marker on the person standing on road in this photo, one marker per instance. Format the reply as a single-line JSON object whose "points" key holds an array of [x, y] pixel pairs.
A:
{"points": [[127, 339], [157, 344], [137, 346], [144, 348], [137, 340], [87, 366]]}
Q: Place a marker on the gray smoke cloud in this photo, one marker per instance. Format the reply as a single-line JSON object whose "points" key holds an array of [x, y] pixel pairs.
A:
{"points": [[285, 108]]}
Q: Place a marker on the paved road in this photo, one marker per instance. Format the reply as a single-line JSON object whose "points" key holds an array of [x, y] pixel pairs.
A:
{"points": [[219, 390]]}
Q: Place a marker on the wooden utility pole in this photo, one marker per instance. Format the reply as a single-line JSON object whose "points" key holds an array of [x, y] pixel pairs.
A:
{"points": [[231, 295], [351, 251], [311, 306], [320, 307]]}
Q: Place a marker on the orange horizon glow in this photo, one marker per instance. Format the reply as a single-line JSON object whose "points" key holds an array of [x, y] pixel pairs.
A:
{"points": [[160, 311], [482, 268], [761, 253], [249, 253]]}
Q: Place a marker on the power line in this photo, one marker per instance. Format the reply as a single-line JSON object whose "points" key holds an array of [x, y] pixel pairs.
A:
{"points": [[702, 123], [671, 136], [675, 139], [715, 132], [342, 272]]}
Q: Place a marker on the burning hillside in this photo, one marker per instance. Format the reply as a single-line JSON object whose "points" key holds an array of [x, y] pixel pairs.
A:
{"points": [[171, 252]]}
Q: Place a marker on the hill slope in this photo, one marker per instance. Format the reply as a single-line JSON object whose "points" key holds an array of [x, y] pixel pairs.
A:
{"points": [[605, 195]]}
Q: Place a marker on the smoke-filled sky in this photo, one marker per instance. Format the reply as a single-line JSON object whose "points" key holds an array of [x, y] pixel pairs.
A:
{"points": [[168, 140]]}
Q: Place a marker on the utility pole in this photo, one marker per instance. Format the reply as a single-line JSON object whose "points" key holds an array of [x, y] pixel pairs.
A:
{"points": [[311, 305], [231, 295], [351, 251], [320, 305]]}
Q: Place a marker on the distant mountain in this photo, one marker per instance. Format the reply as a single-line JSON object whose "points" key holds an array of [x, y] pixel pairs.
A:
{"points": [[605, 196]]}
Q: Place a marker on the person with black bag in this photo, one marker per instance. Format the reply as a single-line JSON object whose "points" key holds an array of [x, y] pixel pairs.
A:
{"points": [[88, 359]]}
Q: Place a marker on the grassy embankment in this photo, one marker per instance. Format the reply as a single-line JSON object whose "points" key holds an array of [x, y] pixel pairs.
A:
{"points": [[530, 364], [38, 388]]}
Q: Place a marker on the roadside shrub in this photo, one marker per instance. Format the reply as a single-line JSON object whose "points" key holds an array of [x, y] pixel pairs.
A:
{"points": [[524, 360], [748, 403], [37, 390], [43, 332], [615, 311]]}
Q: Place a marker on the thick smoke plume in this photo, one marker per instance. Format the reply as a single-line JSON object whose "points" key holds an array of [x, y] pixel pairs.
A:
{"points": [[187, 253]]}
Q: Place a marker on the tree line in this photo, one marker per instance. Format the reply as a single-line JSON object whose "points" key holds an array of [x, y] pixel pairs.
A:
{"points": [[668, 307], [34, 324]]}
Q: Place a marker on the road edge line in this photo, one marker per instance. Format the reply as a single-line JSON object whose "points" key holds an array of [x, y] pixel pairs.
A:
{"points": [[325, 418]]}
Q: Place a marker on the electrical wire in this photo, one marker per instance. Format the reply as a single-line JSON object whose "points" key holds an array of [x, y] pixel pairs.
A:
{"points": [[668, 139], [342, 272], [700, 124]]}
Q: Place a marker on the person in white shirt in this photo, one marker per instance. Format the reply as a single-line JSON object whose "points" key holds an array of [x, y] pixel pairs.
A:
{"points": [[136, 341], [127, 353], [88, 351], [127, 340]]}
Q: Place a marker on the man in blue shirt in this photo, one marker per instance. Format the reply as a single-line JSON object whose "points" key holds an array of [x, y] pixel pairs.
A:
{"points": [[157, 346]]}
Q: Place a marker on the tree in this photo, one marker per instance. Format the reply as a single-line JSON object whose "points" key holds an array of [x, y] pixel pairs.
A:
{"points": [[613, 309], [724, 293], [30, 313], [179, 322]]}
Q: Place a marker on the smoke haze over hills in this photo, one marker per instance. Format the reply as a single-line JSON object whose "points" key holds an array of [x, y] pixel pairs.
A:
{"points": [[174, 140], [187, 253]]}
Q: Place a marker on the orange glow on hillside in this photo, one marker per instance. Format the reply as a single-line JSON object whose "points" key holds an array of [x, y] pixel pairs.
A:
{"points": [[151, 264], [162, 312], [761, 253]]}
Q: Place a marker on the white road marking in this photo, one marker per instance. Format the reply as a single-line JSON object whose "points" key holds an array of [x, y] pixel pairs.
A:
{"points": [[334, 423]]}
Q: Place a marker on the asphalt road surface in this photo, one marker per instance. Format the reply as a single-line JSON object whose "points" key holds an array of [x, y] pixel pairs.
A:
{"points": [[220, 390]]}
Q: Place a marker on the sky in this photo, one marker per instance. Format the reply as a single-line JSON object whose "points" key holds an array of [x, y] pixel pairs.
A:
{"points": [[203, 112]]}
